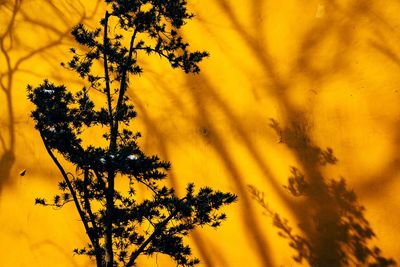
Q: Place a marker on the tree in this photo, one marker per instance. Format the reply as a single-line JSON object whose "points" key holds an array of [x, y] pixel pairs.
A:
{"points": [[119, 225]]}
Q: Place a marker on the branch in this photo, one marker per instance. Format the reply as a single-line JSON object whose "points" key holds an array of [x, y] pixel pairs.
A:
{"points": [[111, 175], [3, 143], [95, 233], [161, 54], [71, 189], [106, 74], [157, 231], [55, 206], [113, 146], [124, 78], [148, 186], [99, 178]]}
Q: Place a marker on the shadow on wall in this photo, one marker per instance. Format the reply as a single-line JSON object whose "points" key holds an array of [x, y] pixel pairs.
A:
{"points": [[16, 51], [206, 97], [47, 244], [335, 231], [205, 247], [328, 204]]}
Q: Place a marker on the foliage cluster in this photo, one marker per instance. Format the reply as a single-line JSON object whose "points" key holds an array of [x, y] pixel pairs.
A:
{"points": [[121, 225]]}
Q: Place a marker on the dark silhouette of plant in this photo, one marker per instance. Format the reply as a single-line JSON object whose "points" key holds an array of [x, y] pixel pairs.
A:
{"points": [[121, 225]]}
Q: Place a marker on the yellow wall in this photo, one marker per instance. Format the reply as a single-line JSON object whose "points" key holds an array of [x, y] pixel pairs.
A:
{"points": [[326, 71]]}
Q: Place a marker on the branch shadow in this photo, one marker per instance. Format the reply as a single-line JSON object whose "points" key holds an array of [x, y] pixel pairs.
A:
{"points": [[323, 204], [205, 247], [16, 54], [322, 195], [334, 229]]}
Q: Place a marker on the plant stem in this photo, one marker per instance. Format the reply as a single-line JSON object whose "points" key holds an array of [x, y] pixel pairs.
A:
{"points": [[96, 245], [109, 257], [73, 193]]}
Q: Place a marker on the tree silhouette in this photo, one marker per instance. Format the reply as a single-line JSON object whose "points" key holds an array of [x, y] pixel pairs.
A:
{"points": [[120, 224]]}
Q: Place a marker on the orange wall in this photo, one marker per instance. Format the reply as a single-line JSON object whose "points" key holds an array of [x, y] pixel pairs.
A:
{"points": [[326, 71]]}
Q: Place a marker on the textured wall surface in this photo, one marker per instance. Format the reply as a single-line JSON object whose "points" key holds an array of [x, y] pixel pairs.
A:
{"points": [[292, 89]]}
